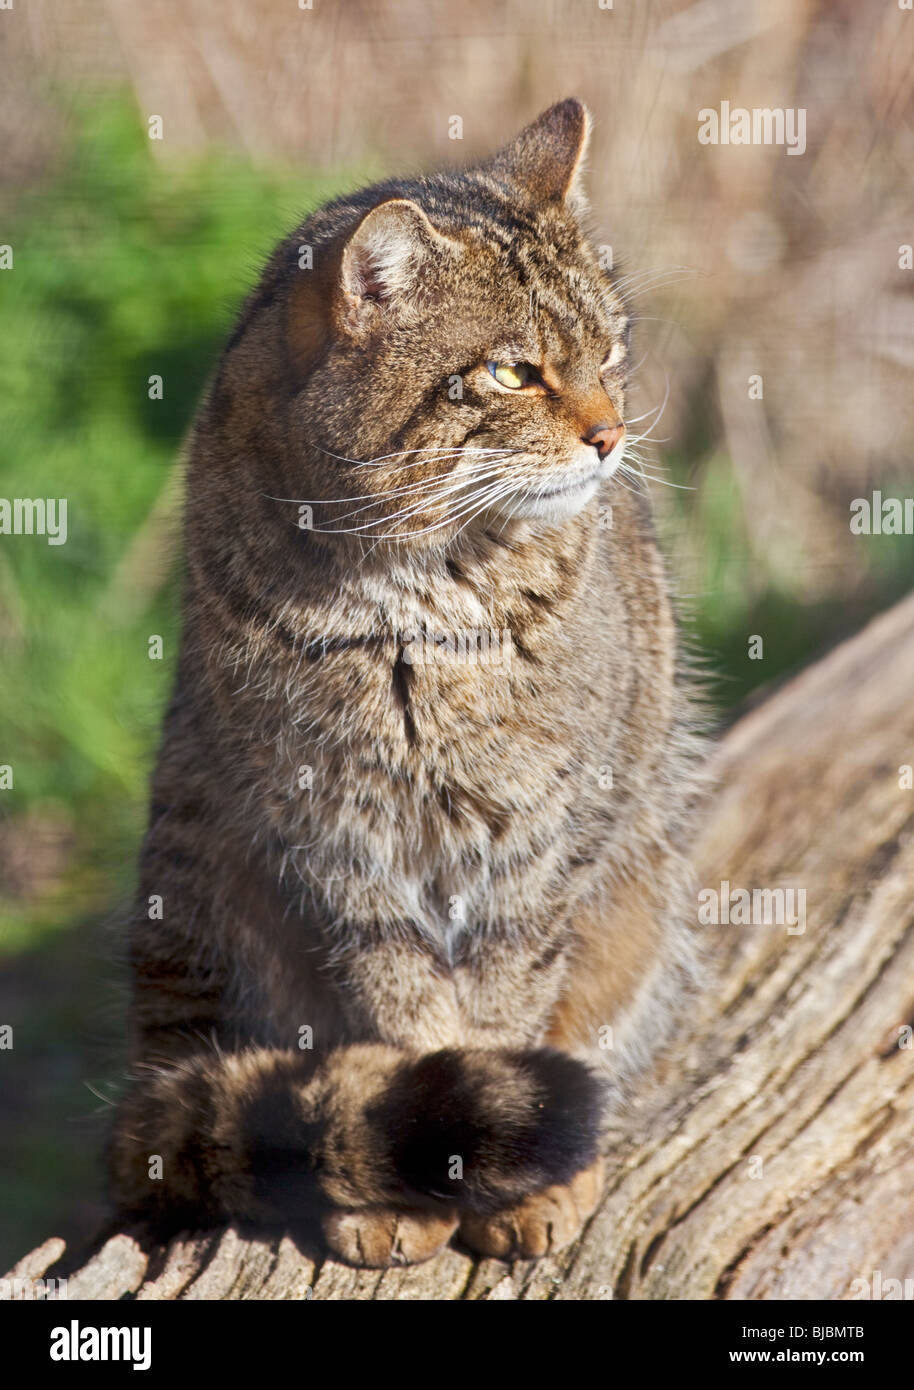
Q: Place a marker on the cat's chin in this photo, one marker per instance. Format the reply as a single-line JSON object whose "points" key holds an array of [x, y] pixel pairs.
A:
{"points": [[564, 499], [557, 506]]}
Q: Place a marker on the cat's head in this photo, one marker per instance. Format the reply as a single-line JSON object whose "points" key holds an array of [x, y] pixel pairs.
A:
{"points": [[457, 353]]}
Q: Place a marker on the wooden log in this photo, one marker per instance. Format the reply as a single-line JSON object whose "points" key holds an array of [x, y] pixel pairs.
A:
{"points": [[772, 1158]]}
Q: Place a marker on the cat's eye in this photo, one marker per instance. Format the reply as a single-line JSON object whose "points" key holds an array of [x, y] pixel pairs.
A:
{"points": [[514, 375]]}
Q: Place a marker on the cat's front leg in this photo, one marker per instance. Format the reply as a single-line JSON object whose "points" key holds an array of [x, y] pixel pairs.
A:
{"points": [[631, 962], [541, 1224], [508, 978], [490, 1009], [395, 986], [382, 1237], [510, 981]]}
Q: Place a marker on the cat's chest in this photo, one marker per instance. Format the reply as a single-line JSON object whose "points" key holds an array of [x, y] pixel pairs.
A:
{"points": [[428, 689], [446, 784], [420, 666], [429, 725]]}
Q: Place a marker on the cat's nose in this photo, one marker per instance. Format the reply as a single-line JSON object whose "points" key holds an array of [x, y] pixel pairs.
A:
{"points": [[604, 438]]}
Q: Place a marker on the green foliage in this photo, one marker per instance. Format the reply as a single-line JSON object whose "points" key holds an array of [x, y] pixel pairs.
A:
{"points": [[125, 266]]}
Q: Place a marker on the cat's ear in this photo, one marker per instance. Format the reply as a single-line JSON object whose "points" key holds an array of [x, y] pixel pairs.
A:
{"points": [[391, 260], [546, 159]]}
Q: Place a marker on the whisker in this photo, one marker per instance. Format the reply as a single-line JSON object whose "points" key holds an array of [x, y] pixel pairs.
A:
{"points": [[390, 492], [494, 496], [661, 408], [617, 478], [470, 503], [659, 414], [455, 485], [645, 475], [643, 282], [645, 271], [443, 455], [405, 453], [646, 478]]}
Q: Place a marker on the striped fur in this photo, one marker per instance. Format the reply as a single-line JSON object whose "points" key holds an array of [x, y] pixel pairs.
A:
{"points": [[418, 868]]}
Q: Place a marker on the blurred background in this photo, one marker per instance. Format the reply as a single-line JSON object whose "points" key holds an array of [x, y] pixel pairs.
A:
{"points": [[131, 256]]}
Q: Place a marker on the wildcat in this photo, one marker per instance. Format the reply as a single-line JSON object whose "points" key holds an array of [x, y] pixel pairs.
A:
{"points": [[412, 908]]}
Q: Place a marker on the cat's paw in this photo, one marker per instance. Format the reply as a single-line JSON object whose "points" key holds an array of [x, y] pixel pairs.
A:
{"points": [[378, 1237], [540, 1224]]}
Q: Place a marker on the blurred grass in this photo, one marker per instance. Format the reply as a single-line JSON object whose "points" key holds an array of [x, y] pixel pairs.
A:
{"points": [[124, 268], [127, 266], [726, 598]]}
